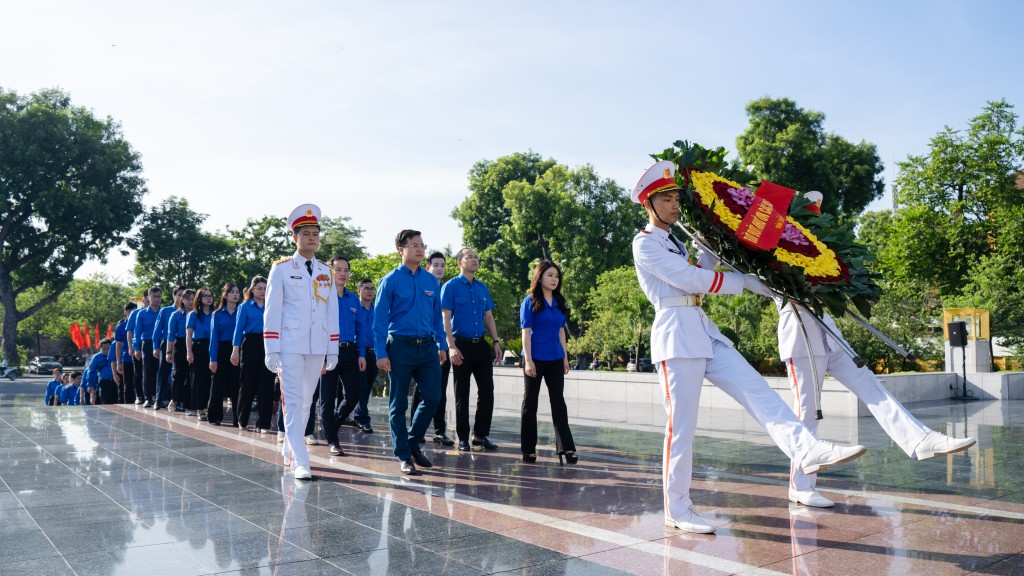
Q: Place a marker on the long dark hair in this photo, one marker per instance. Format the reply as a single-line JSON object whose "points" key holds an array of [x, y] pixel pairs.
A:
{"points": [[537, 292], [197, 304], [224, 295], [255, 281], [181, 301]]}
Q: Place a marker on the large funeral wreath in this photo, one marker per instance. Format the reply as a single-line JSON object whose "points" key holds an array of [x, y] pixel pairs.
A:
{"points": [[808, 256]]}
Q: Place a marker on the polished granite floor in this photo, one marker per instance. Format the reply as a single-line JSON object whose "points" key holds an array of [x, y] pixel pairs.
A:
{"points": [[121, 490]]}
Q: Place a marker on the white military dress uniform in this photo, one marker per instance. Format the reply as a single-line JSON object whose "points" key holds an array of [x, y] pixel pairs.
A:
{"points": [[300, 322], [687, 347], [899, 424]]}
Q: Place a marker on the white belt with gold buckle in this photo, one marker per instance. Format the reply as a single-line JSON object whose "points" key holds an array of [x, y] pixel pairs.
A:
{"points": [[679, 301]]}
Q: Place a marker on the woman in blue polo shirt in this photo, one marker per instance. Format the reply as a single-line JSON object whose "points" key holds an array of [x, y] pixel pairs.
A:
{"points": [[247, 352], [542, 318], [177, 354], [198, 325], [225, 374]]}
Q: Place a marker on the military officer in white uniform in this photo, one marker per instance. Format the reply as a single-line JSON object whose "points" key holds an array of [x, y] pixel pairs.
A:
{"points": [[688, 348], [913, 437], [300, 330]]}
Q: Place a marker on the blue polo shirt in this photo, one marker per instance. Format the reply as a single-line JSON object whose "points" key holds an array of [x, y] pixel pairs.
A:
{"points": [[52, 389], [200, 328], [364, 329], [160, 328], [468, 301], [408, 304], [121, 335], [249, 321], [544, 326], [131, 326], [145, 320], [348, 316], [100, 368], [176, 325], [223, 330], [70, 396]]}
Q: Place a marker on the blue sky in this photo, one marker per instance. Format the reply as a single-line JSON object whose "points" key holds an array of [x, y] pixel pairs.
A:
{"points": [[377, 110]]}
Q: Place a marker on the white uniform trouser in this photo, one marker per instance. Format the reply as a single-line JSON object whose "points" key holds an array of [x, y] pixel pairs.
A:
{"points": [[681, 380], [300, 374], [899, 424]]}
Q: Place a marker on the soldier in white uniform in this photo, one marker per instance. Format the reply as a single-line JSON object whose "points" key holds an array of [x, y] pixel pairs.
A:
{"points": [[300, 330], [914, 438], [688, 348]]}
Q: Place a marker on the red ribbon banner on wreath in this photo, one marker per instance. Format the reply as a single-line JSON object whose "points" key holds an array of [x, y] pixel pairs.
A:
{"points": [[765, 220]]}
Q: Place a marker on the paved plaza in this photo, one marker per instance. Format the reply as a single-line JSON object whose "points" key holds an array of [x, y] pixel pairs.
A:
{"points": [[121, 490]]}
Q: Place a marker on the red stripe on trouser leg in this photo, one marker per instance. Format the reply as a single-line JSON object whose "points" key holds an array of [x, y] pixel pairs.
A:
{"points": [[668, 438]]}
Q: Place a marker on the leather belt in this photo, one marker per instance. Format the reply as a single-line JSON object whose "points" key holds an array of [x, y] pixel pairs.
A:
{"points": [[417, 340], [679, 301], [369, 350], [346, 344], [468, 340]]}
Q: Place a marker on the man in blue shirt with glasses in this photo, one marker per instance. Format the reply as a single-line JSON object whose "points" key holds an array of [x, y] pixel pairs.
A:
{"points": [[409, 340]]}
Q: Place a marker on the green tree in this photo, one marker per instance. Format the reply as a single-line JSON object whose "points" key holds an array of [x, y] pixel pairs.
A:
{"points": [[484, 211], [568, 215], [959, 228], [620, 317], [788, 145], [172, 248], [256, 246], [71, 188], [339, 238], [97, 300]]}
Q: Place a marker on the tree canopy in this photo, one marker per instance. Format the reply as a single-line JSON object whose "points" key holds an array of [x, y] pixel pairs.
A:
{"points": [[71, 188], [788, 145]]}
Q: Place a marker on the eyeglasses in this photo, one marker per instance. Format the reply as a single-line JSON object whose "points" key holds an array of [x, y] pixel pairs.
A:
{"points": [[415, 246]]}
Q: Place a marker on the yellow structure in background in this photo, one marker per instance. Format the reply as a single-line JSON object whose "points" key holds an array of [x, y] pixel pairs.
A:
{"points": [[976, 319]]}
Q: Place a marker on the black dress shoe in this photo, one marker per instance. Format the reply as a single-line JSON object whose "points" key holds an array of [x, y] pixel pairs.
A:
{"points": [[215, 422], [529, 457], [366, 428], [408, 468], [349, 422], [420, 458], [336, 449], [485, 442], [443, 439], [464, 446]]}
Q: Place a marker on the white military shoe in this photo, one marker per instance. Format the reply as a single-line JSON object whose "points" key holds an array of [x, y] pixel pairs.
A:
{"points": [[690, 522], [302, 473], [810, 497], [311, 440], [825, 454], [936, 444]]}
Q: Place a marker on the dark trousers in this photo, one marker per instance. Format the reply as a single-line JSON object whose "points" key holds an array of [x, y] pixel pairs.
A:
{"points": [[150, 366], [439, 424], [126, 390], [366, 380], [163, 381], [256, 382], [138, 372], [345, 377], [477, 362], [180, 385], [200, 368], [108, 392], [552, 372], [409, 361], [225, 385]]}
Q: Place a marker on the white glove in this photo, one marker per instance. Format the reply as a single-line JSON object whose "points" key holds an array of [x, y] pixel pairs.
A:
{"points": [[754, 284], [332, 361], [707, 260], [273, 362]]}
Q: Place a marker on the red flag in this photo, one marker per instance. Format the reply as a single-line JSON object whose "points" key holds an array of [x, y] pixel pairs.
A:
{"points": [[76, 335], [110, 330], [762, 227], [88, 341], [97, 339]]}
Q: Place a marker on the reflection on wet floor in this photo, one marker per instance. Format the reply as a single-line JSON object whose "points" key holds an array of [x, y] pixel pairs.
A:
{"points": [[119, 490]]}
